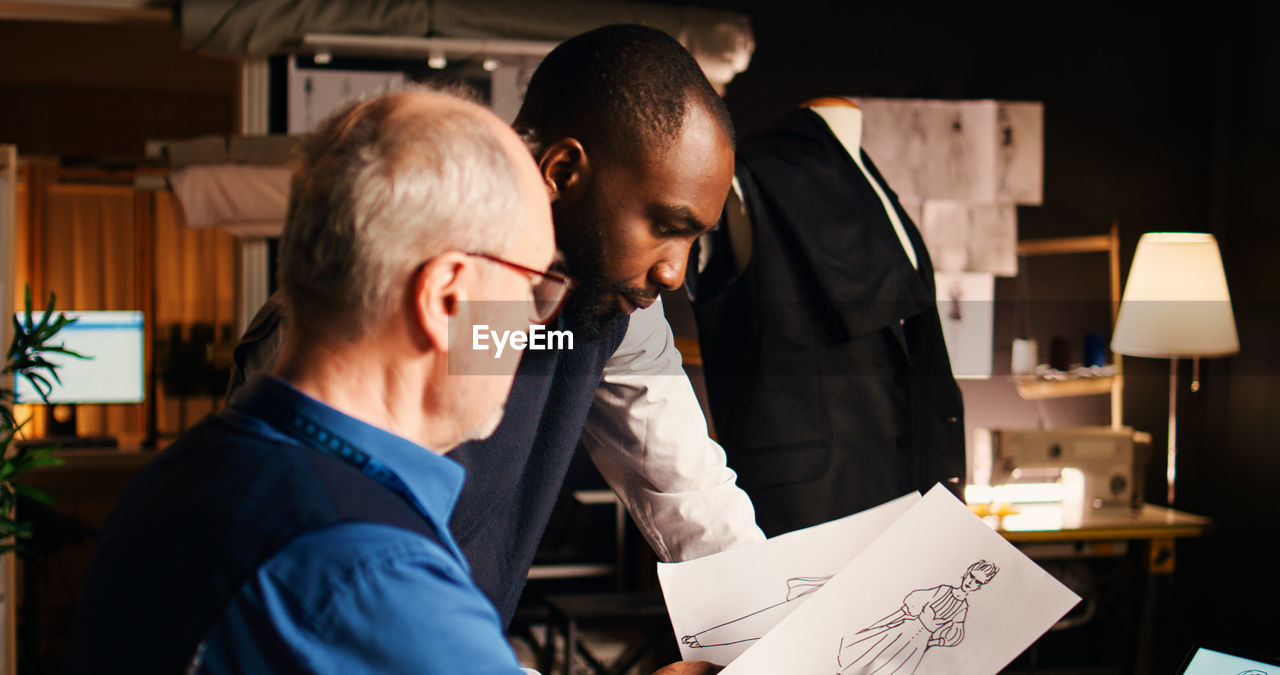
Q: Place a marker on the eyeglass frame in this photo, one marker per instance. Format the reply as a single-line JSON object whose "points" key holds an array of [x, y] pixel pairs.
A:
{"points": [[563, 279]]}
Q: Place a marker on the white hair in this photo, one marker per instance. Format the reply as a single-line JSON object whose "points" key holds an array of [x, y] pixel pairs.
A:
{"points": [[383, 185]]}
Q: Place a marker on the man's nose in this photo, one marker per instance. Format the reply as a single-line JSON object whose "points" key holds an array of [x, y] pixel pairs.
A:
{"points": [[669, 274]]}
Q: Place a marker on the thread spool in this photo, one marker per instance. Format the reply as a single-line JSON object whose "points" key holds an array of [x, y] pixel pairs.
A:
{"points": [[1094, 354], [1024, 358], [1059, 353]]}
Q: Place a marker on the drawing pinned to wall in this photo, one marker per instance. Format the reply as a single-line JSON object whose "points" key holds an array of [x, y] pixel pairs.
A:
{"points": [[1020, 172], [916, 583], [723, 603], [966, 306], [960, 149], [974, 151], [964, 237]]}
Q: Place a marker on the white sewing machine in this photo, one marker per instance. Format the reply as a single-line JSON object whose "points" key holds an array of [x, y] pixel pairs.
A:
{"points": [[1110, 461]]}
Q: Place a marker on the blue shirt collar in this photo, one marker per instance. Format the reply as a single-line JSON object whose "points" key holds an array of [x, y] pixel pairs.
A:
{"points": [[434, 480]]}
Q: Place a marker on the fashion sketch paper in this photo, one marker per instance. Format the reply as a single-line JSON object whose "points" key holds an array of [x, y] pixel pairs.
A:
{"points": [[721, 604], [938, 592], [966, 306]]}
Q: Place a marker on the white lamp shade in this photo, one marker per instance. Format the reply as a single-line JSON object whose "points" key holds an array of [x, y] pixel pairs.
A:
{"points": [[1176, 301]]}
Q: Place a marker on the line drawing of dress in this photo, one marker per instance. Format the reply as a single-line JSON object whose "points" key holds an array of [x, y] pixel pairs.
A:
{"points": [[753, 626], [928, 617]]}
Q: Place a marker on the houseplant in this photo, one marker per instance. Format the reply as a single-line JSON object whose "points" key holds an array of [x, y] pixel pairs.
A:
{"points": [[32, 341]]}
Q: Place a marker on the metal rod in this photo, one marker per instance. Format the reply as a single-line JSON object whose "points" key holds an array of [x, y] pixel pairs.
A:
{"points": [[1172, 469]]}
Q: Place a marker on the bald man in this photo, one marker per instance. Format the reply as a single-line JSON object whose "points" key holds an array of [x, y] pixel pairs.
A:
{"points": [[305, 527]]}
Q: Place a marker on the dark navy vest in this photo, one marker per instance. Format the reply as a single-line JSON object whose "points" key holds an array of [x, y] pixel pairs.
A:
{"points": [[191, 528], [515, 475]]}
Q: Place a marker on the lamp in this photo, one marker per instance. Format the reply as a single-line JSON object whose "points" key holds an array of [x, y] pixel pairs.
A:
{"points": [[1176, 304]]}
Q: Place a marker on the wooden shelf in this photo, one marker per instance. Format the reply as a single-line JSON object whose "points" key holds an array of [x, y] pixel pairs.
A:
{"points": [[1031, 388]]}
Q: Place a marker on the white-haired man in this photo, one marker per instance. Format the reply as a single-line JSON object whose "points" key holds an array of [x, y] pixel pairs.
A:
{"points": [[305, 527]]}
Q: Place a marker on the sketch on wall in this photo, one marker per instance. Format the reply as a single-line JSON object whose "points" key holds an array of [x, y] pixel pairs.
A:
{"points": [[960, 168], [965, 237], [966, 308], [972, 151]]}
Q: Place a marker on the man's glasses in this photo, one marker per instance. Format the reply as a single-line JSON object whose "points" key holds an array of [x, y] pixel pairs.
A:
{"points": [[549, 288]]}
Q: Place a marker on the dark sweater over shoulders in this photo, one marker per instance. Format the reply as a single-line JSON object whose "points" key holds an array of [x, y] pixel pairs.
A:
{"points": [[192, 527], [515, 475]]}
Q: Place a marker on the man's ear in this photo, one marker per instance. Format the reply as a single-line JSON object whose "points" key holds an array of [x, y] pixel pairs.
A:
{"points": [[439, 291], [564, 168]]}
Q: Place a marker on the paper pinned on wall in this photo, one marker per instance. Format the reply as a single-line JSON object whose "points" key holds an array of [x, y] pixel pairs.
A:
{"points": [[972, 151], [965, 237], [966, 307], [938, 592], [720, 604]]}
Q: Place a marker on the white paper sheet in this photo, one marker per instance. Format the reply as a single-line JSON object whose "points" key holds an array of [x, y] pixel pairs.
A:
{"points": [[966, 306], [973, 151], [971, 237], [720, 604], [914, 602]]}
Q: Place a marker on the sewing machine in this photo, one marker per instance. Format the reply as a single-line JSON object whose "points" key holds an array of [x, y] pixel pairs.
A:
{"points": [[1110, 461]]}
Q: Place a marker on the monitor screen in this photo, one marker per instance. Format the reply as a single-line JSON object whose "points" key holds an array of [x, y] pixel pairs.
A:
{"points": [[1206, 661], [113, 373]]}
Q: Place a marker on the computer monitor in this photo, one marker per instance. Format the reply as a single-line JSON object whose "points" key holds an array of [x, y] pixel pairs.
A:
{"points": [[113, 372]]}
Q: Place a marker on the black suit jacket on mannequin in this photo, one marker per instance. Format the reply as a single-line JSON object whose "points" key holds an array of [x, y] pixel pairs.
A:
{"points": [[827, 375]]}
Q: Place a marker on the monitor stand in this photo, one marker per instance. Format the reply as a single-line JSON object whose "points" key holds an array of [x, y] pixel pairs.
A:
{"points": [[60, 430]]}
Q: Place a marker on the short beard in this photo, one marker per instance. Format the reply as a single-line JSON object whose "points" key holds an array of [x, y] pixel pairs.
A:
{"points": [[585, 312], [592, 308]]}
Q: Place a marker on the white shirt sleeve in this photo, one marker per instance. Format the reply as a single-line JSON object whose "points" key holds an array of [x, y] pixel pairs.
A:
{"points": [[648, 437]]}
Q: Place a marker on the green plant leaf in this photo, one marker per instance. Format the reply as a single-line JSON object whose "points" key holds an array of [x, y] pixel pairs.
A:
{"points": [[26, 357], [32, 493]]}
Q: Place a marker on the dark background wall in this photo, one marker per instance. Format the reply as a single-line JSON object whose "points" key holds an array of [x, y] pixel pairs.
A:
{"points": [[1160, 120]]}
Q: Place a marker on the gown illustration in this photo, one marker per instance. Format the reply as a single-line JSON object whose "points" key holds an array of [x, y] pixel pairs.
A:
{"points": [[753, 626], [928, 618]]}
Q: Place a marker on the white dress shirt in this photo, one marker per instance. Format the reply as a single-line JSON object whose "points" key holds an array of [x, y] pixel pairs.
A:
{"points": [[648, 437]]}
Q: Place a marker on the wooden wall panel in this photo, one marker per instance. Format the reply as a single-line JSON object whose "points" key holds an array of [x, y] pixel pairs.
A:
{"points": [[21, 239], [195, 289], [92, 246]]}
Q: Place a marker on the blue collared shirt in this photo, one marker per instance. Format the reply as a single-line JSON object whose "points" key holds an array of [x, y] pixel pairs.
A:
{"points": [[364, 597]]}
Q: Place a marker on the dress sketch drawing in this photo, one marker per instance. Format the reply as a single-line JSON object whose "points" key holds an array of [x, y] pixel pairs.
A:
{"points": [[753, 626], [928, 617]]}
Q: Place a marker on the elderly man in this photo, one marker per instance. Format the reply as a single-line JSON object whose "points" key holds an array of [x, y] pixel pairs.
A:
{"points": [[305, 527], [636, 151]]}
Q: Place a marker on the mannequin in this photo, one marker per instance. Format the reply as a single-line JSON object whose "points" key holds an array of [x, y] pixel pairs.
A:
{"points": [[844, 118], [826, 370]]}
